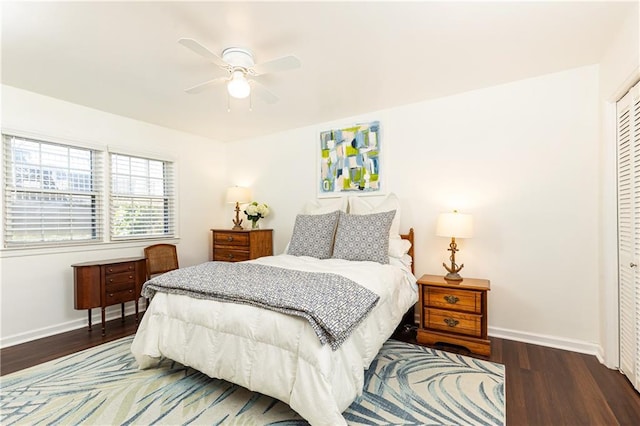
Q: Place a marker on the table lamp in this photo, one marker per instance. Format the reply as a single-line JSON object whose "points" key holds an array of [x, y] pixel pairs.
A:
{"points": [[454, 225], [238, 194]]}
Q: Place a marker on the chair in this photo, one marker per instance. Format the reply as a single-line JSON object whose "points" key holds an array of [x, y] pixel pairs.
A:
{"points": [[160, 258]]}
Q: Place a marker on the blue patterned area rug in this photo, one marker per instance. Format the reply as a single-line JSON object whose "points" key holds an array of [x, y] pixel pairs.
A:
{"points": [[406, 384]]}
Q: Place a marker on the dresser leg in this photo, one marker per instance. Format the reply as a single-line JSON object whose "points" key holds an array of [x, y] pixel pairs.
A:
{"points": [[137, 309], [89, 310], [122, 309], [104, 332]]}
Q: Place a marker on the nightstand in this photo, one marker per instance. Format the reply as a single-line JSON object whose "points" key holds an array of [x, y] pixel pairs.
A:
{"points": [[235, 246], [454, 312]]}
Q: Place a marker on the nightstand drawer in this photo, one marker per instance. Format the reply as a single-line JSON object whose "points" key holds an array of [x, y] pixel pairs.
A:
{"points": [[231, 239], [453, 322], [448, 298], [230, 255]]}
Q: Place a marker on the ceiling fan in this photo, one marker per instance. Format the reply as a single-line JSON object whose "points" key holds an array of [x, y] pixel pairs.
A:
{"points": [[241, 68]]}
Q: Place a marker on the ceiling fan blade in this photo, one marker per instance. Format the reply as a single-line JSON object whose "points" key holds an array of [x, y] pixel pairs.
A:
{"points": [[263, 93], [196, 47], [202, 86], [281, 64]]}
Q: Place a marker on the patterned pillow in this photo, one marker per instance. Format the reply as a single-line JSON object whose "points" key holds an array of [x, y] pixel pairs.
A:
{"points": [[358, 205], [313, 235], [363, 237]]}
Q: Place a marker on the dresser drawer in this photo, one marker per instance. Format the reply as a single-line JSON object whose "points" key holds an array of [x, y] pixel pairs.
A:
{"points": [[122, 277], [114, 297], [453, 322], [231, 239], [120, 286], [117, 268], [230, 255], [456, 299]]}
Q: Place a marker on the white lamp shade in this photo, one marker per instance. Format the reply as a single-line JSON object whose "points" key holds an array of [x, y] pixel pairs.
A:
{"points": [[455, 225], [238, 194], [238, 87]]}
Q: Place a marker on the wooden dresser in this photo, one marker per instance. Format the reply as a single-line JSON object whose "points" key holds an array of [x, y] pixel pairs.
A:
{"points": [[454, 312], [108, 282], [235, 246]]}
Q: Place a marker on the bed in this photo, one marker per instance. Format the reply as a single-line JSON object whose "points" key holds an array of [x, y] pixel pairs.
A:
{"points": [[279, 354]]}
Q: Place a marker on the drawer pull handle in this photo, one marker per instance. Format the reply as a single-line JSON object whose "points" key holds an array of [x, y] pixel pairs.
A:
{"points": [[230, 256], [110, 269], [451, 299], [451, 322], [229, 238], [130, 291], [110, 280], [130, 277], [110, 294]]}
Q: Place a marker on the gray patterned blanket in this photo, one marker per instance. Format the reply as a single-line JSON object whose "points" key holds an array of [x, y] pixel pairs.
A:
{"points": [[333, 305]]}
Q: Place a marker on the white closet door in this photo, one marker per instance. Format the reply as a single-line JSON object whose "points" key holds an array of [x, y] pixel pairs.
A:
{"points": [[628, 129]]}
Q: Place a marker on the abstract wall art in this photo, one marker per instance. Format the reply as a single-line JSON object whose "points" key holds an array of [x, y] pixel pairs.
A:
{"points": [[350, 160]]}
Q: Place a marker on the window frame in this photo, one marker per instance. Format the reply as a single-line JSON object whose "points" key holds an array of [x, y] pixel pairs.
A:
{"points": [[169, 200], [96, 194], [102, 218]]}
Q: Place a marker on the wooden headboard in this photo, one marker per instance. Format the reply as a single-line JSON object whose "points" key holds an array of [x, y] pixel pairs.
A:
{"points": [[409, 237]]}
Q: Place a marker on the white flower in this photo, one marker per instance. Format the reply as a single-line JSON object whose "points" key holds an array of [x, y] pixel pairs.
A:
{"points": [[255, 210], [263, 210], [251, 210]]}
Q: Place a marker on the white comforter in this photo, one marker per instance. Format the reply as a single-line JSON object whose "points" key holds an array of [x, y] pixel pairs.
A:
{"points": [[277, 354]]}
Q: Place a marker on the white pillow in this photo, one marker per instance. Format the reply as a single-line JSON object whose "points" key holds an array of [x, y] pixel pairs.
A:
{"points": [[324, 206], [358, 205], [398, 247]]}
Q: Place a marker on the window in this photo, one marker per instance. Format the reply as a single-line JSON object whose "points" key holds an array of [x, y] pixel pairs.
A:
{"points": [[142, 200], [52, 193]]}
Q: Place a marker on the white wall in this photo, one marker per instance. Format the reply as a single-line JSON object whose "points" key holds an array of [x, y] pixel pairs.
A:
{"points": [[37, 285], [521, 157]]}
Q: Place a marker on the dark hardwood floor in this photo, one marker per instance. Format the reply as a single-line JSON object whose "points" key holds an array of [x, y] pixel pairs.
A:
{"points": [[544, 386]]}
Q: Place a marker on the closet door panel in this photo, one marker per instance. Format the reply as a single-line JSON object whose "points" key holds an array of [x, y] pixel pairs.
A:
{"points": [[628, 140]]}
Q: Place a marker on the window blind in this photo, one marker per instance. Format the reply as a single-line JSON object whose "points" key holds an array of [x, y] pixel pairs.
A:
{"points": [[52, 193], [142, 201]]}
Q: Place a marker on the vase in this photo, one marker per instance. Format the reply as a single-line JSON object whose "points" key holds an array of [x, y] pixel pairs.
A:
{"points": [[255, 224]]}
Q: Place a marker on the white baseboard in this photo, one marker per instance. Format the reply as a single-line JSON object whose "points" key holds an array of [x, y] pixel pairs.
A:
{"points": [[566, 344], [96, 320]]}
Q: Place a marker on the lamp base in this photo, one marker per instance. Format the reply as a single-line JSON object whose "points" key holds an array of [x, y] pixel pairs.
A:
{"points": [[453, 270], [237, 222], [453, 276]]}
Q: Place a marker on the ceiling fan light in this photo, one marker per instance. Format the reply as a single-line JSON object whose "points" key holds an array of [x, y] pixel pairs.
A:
{"points": [[238, 87]]}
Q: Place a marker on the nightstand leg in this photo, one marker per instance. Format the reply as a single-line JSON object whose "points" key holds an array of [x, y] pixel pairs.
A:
{"points": [[137, 309], [89, 310], [122, 310]]}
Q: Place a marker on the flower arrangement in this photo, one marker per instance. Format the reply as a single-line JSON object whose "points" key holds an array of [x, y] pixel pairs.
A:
{"points": [[256, 211]]}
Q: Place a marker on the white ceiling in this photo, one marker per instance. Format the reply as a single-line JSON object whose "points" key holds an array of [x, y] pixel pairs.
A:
{"points": [[356, 57]]}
